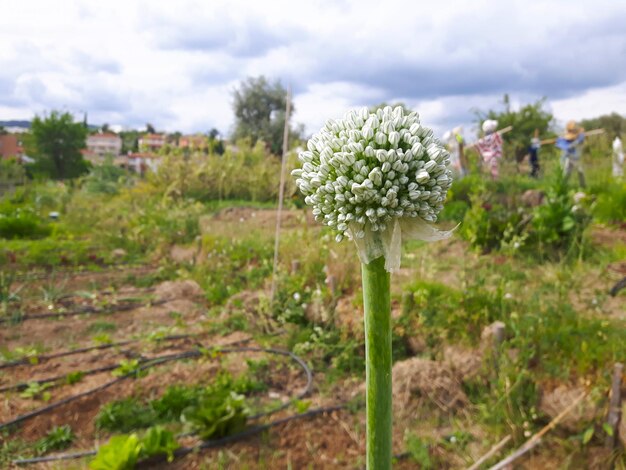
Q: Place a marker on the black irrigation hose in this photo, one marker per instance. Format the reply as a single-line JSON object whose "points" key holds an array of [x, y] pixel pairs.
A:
{"points": [[86, 310], [617, 287], [81, 272], [161, 360], [46, 357], [26, 361], [97, 370], [203, 445]]}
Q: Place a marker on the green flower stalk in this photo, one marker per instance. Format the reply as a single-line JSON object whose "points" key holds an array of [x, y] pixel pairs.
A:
{"points": [[376, 178]]}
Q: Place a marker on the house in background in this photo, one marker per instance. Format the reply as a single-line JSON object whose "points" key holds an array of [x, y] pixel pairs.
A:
{"points": [[101, 145], [141, 162], [10, 146], [193, 142], [151, 142]]}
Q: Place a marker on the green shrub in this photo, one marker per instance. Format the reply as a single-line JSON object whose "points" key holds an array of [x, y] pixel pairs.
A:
{"points": [[559, 223], [21, 223], [611, 204]]}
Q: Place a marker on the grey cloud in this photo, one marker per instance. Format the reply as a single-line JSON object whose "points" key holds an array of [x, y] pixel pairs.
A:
{"points": [[239, 37], [92, 63]]}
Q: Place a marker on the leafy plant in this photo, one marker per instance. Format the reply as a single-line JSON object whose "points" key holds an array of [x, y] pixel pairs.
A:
{"points": [[218, 415], [124, 451], [129, 367], [174, 401], [74, 377], [158, 441], [559, 223], [120, 453], [58, 438], [37, 390], [124, 416]]}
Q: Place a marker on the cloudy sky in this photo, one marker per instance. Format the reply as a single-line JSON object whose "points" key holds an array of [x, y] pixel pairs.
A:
{"points": [[175, 63]]}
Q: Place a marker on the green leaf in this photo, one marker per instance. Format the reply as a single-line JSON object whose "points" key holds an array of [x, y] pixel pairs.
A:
{"points": [[587, 435], [608, 429], [568, 224], [159, 441], [120, 453]]}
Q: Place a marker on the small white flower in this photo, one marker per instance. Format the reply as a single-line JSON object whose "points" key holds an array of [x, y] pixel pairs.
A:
{"points": [[296, 296], [508, 296]]}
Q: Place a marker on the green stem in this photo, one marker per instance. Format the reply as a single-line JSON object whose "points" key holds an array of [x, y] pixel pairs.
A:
{"points": [[376, 299]]}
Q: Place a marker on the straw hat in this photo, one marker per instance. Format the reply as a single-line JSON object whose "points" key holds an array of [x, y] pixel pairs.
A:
{"points": [[489, 126], [572, 130]]}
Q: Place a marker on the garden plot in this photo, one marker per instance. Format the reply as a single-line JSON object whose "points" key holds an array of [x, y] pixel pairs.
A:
{"points": [[204, 286]]}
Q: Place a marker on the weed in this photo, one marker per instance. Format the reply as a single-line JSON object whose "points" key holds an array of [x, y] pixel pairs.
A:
{"points": [[419, 451], [129, 367], [101, 327], [102, 338], [124, 416], [37, 390], [74, 377], [53, 291], [58, 438]]}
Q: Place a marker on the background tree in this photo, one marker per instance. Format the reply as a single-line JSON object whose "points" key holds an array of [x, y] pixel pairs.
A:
{"points": [[150, 128], [614, 124], [260, 112], [130, 141], [393, 105], [524, 121], [57, 141], [216, 144]]}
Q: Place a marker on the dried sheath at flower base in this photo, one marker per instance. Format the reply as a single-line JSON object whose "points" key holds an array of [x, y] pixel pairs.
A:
{"points": [[376, 178]]}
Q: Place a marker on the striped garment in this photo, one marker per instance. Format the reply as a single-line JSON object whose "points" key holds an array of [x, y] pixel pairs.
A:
{"points": [[490, 147]]}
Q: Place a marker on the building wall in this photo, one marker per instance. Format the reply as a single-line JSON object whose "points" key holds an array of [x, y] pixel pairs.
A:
{"points": [[10, 146], [104, 144]]}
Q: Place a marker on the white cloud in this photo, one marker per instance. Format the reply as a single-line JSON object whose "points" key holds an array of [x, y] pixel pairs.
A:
{"points": [[175, 64]]}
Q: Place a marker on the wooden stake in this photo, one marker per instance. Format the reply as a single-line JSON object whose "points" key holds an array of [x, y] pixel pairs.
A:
{"points": [[281, 193], [493, 451], [536, 439]]}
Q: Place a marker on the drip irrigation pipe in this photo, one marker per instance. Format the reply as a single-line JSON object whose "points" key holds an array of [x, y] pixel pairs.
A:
{"points": [[251, 431], [81, 272], [42, 358], [86, 310], [167, 358]]}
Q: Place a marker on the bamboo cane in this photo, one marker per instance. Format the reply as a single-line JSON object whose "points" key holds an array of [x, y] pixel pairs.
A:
{"points": [[536, 439], [587, 134], [281, 193], [501, 131]]}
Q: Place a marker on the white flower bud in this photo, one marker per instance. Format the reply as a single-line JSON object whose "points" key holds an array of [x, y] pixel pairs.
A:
{"points": [[422, 176], [355, 184]]}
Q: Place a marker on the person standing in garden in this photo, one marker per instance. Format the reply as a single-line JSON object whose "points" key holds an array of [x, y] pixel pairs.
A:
{"points": [[571, 147], [618, 158], [490, 146], [535, 145]]}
